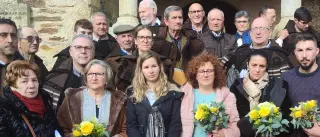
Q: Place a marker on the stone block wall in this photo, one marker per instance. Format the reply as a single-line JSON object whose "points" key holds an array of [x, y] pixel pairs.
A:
{"points": [[314, 7], [54, 21]]}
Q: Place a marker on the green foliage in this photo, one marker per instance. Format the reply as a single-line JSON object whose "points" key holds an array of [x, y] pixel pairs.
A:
{"points": [[267, 120], [211, 116]]}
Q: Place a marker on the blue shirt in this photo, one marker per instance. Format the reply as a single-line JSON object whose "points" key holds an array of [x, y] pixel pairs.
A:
{"points": [[152, 97], [200, 98], [246, 39], [302, 87]]}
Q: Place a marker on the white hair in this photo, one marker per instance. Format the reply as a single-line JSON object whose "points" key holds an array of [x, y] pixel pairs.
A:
{"points": [[150, 4], [97, 14]]}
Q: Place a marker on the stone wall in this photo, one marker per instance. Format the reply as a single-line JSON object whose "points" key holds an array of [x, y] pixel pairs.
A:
{"points": [[54, 21], [314, 7]]}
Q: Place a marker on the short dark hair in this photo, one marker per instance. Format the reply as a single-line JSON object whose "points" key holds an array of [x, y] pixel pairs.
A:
{"points": [[305, 37], [303, 14], [264, 9], [9, 22], [83, 23], [258, 52]]}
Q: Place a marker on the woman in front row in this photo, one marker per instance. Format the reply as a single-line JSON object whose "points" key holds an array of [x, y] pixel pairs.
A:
{"points": [[256, 87], [25, 110], [94, 101], [207, 83], [153, 106]]}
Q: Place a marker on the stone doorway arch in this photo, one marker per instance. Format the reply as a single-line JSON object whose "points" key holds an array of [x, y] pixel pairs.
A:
{"points": [[228, 9]]}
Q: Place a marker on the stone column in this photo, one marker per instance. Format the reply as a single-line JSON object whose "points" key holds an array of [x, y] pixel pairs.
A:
{"points": [[288, 7], [128, 10]]}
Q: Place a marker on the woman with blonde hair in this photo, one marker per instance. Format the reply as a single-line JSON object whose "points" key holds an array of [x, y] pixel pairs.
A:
{"points": [[207, 83], [96, 101], [153, 106]]}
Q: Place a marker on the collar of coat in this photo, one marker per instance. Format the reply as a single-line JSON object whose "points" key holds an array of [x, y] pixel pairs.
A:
{"points": [[173, 92]]}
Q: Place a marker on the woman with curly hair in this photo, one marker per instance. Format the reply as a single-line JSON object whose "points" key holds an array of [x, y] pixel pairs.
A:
{"points": [[207, 83], [153, 106]]}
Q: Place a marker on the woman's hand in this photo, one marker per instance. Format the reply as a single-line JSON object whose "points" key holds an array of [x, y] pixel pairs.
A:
{"points": [[314, 131], [217, 133]]}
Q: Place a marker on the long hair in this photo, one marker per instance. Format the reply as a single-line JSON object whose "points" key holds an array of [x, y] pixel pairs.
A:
{"points": [[139, 83]]}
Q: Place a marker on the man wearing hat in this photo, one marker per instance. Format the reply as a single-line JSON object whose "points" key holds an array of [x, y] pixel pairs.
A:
{"points": [[125, 45]]}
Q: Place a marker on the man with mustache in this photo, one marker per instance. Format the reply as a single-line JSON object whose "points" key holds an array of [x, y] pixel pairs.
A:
{"points": [[303, 81], [28, 46], [300, 24], [196, 22], [215, 40], [69, 74], [8, 46], [148, 13]]}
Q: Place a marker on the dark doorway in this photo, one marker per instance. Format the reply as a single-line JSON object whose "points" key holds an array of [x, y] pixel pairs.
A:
{"points": [[228, 10]]}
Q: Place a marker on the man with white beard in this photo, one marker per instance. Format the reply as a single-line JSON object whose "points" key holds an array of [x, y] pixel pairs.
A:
{"points": [[148, 13]]}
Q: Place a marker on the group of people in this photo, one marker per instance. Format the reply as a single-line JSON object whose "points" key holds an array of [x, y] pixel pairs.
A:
{"points": [[149, 79]]}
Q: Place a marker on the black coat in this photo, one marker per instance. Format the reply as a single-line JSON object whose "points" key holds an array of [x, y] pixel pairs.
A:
{"points": [[102, 49], [137, 114], [275, 91], [12, 123]]}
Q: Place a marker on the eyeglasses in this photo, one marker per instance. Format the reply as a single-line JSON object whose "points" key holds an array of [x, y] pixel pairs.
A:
{"points": [[4, 35], [99, 75], [31, 39], [195, 11], [141, 38], [242, 21], [79, 48], [208, 71], [255, 29]]}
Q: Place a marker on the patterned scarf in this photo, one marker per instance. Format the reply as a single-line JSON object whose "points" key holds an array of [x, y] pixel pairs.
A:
{"points": [[155, 126], [253, 89]]}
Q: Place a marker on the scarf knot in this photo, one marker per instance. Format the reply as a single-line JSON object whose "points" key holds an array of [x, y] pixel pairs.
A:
{"points": [[253, 89]]}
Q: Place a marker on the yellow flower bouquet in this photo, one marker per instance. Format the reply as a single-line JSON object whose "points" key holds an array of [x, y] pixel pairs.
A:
{"points": [[267, 120], [89, 129], [211, 116], [304, 114]]}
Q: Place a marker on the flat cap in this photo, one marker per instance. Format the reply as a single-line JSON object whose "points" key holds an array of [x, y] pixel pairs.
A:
{"points": [[122, 29]]}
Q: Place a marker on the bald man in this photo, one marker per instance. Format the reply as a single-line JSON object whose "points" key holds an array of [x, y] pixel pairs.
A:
{"points": [[196, 22], [278, 62], [215, 40], [28, 46]]}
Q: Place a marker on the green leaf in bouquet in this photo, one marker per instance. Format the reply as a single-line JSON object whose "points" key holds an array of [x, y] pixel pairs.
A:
{"points": [[261, 127], [285, 122], [106, 134], [275, 133], [276, 125], [264, 120], [225, 125], [270, 129], [213, 118]]}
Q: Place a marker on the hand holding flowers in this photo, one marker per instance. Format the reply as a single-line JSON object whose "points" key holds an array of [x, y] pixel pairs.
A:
{"points": [[267, 120], [89, 129]]}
